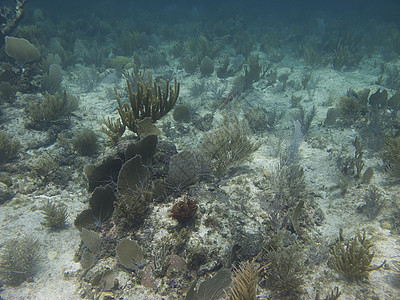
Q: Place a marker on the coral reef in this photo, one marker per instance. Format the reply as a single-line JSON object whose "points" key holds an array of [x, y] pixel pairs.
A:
{"points": [[148, 101]]}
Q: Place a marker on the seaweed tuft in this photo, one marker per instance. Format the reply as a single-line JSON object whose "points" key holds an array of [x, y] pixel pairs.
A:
{"points": [[8, 147], [284, 272], [55, 214], [391, 156], [229, 144], [354, 257], [85, 142], [19, 258]]}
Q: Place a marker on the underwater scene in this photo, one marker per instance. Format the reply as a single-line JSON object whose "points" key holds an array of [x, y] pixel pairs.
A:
{"points": [[199, 150]]}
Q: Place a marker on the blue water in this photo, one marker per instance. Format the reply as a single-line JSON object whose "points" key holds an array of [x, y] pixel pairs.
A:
{"points": [[342, 47]]}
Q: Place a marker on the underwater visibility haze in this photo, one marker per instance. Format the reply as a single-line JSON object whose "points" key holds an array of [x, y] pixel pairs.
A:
{"points": [[199, 149]]}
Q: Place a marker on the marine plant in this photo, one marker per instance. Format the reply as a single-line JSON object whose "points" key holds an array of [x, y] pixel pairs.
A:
{"points": [[19, 258], [305, 118], [212, 288], [183, 170], [368, 174], [182, 113], [134, 188], [353, 257], [153, 57], [391, 156], [229, 144], [55, 214], [119, 62], [353, 106], [331, 116], [245, 280], [10, 19], [295, 100], [288, 183], [114, 129], [394, 102], [358, 157], [101, 208], [7, 91], [149, 100], [52, 108], [43, 166], [333, 295], [130, 254], [312, 55], [223, 71], [9, 147], [178, 49], [206, 66], [347, 51], [373, 200], [202, 47], [378, 99], [146, 148], [21, 50], [85, 142], [284, 270], [190, 64], [390, 76], [102, 174], [51, 82], [145, 128], [88, 259], [91, 239], [261, 120], [252, 72]]}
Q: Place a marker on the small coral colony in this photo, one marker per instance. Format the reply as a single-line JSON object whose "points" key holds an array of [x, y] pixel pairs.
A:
{"points": [[187, 143]]}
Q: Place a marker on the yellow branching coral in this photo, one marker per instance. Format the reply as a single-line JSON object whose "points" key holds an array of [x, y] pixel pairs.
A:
{"points": [[354, 257], [245, 281], [148, 101]]}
